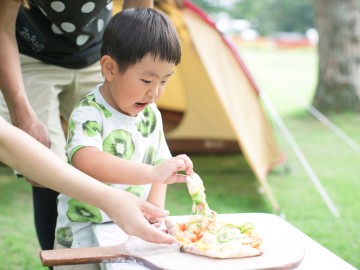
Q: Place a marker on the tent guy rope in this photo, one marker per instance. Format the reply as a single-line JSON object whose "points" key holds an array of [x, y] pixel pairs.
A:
{"points": [[326, 122], [320, 116], [313, 177]]}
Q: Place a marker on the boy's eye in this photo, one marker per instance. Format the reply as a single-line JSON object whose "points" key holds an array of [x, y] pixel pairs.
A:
{"points": [[146, 81]]}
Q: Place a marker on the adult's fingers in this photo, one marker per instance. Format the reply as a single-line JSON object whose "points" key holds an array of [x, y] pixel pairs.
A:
{"points": [[152, 234], [38, 130], [153, 211], [149, 232]]}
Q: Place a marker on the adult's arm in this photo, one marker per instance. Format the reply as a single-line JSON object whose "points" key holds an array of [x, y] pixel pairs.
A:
{"points": [[20, 151], [11, 82], [138, 3]]}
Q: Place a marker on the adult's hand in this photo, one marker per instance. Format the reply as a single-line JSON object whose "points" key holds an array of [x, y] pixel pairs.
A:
{"points": [[130, 217], [137, 3], [36, 129]]}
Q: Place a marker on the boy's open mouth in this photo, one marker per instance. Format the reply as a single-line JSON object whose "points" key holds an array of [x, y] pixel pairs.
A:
{"points": [[144, 104], [141, 104]]}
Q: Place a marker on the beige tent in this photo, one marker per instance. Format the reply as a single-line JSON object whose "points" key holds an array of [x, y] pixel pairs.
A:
{"points": [[211, 103]]}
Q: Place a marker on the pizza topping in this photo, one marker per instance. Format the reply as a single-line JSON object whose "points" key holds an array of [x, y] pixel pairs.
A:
{"points": [[246, 228], [194, 227], [224, 235], [182, 226], [214, 238]]}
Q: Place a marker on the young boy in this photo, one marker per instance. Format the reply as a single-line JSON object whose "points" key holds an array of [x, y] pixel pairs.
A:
{"points": [[115, 132]]}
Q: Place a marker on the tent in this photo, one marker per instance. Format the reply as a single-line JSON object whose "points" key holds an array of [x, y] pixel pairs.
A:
{"points": [[211, 103]]}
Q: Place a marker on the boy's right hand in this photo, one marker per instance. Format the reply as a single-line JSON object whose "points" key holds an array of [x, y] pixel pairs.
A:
{"points": [[168, 171]]}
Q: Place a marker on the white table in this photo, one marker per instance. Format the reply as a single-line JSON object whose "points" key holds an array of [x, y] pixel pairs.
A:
{"points": [[315, 255]]}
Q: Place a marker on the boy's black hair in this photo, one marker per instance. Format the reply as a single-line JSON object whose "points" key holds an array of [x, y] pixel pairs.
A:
{"points": [[134, 33]]}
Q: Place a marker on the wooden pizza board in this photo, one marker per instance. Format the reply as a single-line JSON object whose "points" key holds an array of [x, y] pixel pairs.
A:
{"points": [[281, 252]]}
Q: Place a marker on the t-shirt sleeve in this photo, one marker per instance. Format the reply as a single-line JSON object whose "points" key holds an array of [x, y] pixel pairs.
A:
{"points": [[85, 129], [163, 150]]}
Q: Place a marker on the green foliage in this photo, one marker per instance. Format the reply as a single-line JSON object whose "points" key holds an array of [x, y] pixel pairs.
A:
{"points": [[267, 16]]}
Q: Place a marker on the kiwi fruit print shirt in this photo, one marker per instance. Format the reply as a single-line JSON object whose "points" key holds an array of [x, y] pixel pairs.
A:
{"points": [[66, 33], [95, 123]]}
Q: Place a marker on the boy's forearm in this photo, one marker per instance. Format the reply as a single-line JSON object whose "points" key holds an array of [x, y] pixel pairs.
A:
{"points": [[111, 169], [157, 195]]}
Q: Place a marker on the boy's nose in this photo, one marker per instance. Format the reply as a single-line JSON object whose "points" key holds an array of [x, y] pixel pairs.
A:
{"points": [[154, 91]]}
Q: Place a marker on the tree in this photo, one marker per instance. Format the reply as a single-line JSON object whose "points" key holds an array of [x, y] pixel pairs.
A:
{"points": [[338, 25]]}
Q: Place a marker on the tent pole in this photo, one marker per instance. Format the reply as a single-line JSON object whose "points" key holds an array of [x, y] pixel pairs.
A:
{"points": [[316, 182]]}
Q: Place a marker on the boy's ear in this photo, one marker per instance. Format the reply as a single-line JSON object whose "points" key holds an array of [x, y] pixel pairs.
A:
{"points": [[108, 67]]}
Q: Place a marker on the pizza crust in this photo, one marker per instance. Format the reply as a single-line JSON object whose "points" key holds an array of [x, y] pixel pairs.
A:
{"points": [[223, 251], [204, 247]]}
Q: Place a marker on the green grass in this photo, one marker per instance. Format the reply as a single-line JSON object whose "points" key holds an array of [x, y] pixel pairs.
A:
{"points": [[285, 76], [19, 248], [289, 79]]}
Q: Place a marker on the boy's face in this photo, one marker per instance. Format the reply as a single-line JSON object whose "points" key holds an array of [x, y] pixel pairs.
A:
{"points": [[140, 85]]}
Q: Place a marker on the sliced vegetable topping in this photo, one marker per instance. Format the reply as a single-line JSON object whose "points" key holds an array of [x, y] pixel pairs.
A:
{"points": [[246, 228]]}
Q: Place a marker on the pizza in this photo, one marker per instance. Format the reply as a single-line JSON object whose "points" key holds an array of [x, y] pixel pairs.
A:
{"points": [[206, 235]]}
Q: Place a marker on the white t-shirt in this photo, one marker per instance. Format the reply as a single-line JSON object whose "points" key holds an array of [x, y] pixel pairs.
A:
{"points": [[95, 123]]}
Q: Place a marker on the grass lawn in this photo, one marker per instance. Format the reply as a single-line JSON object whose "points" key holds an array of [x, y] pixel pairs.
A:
{"points": [[19, 248], [288, 78]]}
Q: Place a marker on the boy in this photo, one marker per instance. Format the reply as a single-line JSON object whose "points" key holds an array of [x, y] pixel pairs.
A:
{"points": [[115, 132]]}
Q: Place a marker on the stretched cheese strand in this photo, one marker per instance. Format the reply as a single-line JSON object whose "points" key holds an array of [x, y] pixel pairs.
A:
{"points": [[197, 192]]}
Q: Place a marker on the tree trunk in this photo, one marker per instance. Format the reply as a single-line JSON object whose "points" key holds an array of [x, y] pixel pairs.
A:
{"points": [[338, 25]]}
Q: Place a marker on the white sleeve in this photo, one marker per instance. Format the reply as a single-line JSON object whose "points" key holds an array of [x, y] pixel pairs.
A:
{"points": [[85, 129]]}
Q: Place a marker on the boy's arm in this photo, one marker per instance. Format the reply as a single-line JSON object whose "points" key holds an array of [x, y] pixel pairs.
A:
{"points": [[20, 151], [111, 169], [157, 195], [114, 170]]}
